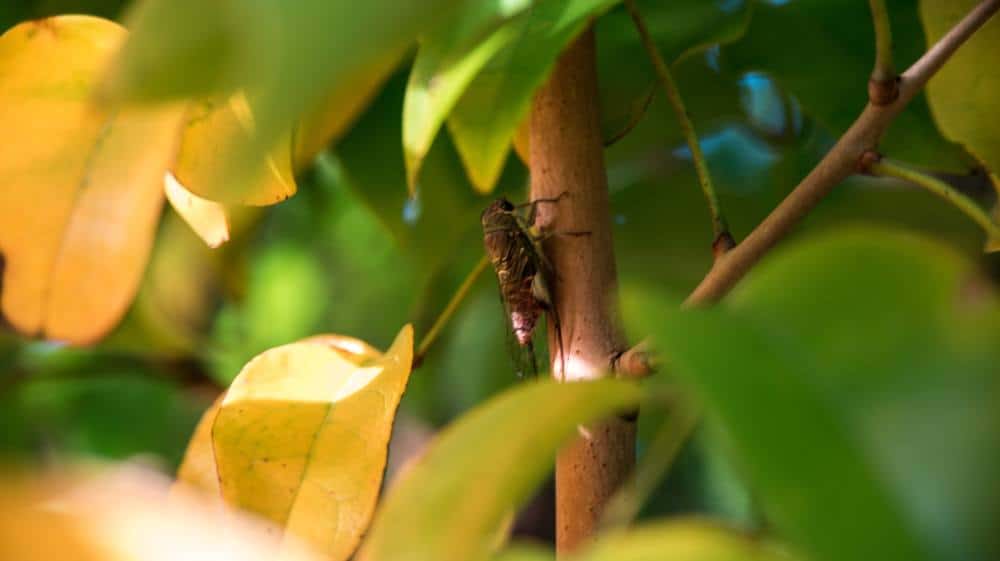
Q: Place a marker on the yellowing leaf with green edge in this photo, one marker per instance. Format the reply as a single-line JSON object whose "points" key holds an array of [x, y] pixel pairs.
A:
{"points": [[301, 438], [207, 218], [451, 504], [209, 126], [683, 540], [963, 95], [486, 117], [444, 67], [80, 189]]}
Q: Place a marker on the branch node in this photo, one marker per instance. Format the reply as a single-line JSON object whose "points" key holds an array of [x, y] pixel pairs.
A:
{"points": [[722, 244], [867, 159], [883, 92], [635, 363]]}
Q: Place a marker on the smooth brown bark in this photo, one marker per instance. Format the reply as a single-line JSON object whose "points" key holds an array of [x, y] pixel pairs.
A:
{"points": [[567, 157]]}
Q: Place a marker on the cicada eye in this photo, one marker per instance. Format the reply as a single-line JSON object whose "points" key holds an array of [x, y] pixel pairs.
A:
{"points": [[506, 205]]}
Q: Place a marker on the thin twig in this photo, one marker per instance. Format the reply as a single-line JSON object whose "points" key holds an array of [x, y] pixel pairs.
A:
{"points": [[888, 168], [840, 162], [449, 310], [882, 86], [722, 238]]}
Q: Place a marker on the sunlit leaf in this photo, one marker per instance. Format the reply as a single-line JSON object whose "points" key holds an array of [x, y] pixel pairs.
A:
{"points": [[865, 439], [81, 189], [198, 468], [181, 289], [211, 125], [444, 67], [682, 540], [291, 58], [452, 502], [525, 552], [207, 218], [351, 348], [302, 435], [124, 515], [484, 121], [963, 94]]}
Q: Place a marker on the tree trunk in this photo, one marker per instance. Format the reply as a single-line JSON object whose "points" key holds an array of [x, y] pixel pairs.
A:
{"points": [[567, 157]]}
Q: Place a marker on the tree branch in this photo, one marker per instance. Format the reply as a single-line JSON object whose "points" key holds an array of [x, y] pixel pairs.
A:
{"points": [[840, 162], [567, 157]]}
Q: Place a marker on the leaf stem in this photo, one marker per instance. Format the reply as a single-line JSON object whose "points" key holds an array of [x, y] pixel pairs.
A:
{"points": [[720, 228], [449, 310], [899, 170], [883, 73], [840, 162]]}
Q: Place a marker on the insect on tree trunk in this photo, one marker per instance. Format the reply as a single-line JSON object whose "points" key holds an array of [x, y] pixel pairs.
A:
{"points": [[567, 156]]}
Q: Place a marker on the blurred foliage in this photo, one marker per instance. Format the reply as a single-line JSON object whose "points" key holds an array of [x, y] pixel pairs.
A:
{"points": [[962, 95], [850, 382], [869, 434]]}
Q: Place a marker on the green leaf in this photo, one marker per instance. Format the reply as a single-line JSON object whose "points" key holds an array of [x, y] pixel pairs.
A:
{"points": [[487, 115], [444, 67], [682, 540], [85, 403], [963, 94], [290, 58], [442, 219], [865, 439], [452, 502], [840, 35]]}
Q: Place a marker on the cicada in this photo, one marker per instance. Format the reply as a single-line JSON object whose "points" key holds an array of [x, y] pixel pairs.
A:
{"points": [[524, 274]]}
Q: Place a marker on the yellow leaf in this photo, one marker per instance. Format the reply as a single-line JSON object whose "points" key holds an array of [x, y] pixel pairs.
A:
{"points": [[302, 436], [963, 94], [207, 218], [209, 127], [684, 539], [125, 515], [80, 189], [198, 469], [177, 299], [352, 349]]}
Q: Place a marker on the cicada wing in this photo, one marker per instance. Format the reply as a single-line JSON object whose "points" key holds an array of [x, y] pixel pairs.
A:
{"points": [[522, 357]]}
